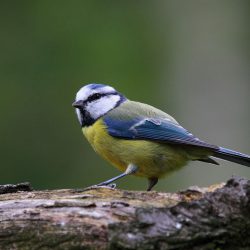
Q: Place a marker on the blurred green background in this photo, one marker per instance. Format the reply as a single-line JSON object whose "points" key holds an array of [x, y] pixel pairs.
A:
{"points": [[188, 58]]}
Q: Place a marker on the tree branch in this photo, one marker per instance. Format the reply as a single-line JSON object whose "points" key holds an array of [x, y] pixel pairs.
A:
{"points": [[217, 217]]}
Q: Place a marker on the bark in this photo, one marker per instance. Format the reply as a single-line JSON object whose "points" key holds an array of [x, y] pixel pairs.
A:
{"points": [[217, 217]]}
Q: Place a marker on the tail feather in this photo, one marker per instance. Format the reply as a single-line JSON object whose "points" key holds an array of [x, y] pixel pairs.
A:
{"points": [[234, 156]]}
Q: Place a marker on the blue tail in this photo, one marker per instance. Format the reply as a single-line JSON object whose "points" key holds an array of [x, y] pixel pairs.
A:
{"points": [[234, 156]]}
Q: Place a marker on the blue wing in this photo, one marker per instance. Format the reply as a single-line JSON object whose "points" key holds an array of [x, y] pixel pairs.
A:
{"points": [[156, 129]]}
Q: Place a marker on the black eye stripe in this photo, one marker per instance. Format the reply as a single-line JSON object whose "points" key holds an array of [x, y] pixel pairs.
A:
{"points": [[94, 97], [97, 96]]}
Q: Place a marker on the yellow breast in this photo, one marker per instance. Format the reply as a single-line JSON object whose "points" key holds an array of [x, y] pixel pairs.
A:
{"points": [[153, 159], [108, 147]]}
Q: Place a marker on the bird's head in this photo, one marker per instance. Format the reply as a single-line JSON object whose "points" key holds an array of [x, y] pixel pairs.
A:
{"points": [[95, 100]]}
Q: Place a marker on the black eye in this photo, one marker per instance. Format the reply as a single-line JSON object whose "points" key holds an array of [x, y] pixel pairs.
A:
{"points": [[94, 97]]}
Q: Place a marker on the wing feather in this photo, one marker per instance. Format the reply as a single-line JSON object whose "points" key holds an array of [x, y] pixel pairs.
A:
{"points": [[147, 126]]}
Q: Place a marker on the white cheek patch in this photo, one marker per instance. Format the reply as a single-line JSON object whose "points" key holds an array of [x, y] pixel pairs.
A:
{"points": [[102, 106]]}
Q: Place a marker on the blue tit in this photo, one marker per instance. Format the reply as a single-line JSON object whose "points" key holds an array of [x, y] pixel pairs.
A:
{"points": [[139, 139]]}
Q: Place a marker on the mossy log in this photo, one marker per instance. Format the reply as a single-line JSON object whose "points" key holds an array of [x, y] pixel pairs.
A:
{"points": [[217, 217]]}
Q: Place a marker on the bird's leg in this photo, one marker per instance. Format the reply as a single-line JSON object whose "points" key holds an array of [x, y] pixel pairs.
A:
{"points": [[131, 169], [151, 182], [106, 183]]}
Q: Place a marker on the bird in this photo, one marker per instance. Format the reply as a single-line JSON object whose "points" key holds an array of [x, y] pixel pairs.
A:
{"points": [[140, 139]]}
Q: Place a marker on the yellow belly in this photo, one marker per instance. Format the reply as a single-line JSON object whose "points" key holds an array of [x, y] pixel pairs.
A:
{"points": [[152, 159]]}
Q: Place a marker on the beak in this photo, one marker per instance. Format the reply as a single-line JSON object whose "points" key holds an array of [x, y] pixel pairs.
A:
{"points": [[77, 104]]}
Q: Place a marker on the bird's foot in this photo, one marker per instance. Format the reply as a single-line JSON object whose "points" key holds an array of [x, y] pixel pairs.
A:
{"points": [[107, 185], [100, 185]]}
